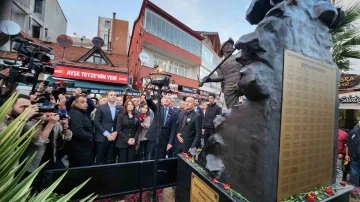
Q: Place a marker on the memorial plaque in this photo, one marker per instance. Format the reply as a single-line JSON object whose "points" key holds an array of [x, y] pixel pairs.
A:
{"points": [[316, 80], [200, 191]]}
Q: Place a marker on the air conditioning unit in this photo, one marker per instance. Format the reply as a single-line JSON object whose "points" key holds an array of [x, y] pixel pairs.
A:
{"points": [[131, 80]]}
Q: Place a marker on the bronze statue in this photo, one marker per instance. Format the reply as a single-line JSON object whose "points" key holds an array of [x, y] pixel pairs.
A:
{"points": [[229, 74]]}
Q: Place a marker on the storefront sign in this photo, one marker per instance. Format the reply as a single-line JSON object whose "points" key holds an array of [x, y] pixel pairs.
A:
{"points": [[90, 75], [96, 91], [350, 99], [349, 80], [186, 89]]}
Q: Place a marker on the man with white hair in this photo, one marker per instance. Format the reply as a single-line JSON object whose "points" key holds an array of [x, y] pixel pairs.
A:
{"points": [[168, 127]]}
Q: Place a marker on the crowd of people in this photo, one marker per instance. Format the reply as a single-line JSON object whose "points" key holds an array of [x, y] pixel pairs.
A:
{"points": [[84, 131]]}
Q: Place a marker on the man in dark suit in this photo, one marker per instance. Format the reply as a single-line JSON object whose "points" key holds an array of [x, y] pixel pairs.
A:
{"points": [[189, 127], [105, 125], [198, 109], [168, 127]]}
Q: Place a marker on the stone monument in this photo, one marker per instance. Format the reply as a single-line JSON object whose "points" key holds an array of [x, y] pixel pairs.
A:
{"points": [[247, 145]]}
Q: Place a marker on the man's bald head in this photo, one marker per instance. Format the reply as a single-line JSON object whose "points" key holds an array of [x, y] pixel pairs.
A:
{"points": [[189, 103]]}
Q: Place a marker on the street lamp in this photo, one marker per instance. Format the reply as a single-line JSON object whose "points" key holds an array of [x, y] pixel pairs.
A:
{"points": [[160, 82]]}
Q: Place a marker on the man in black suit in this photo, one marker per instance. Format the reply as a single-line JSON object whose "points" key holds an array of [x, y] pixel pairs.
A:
{"points": [[105, 125], [172, 106], [198, 109], [83, 134], [168, 119], [189, 127]]}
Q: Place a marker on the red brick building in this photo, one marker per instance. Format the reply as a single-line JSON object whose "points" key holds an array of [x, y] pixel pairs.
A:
{"points": [[168, 43], [93, 69]]}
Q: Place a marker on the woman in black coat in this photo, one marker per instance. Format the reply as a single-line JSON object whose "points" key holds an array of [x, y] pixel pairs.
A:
{"points": [[128, 130]]}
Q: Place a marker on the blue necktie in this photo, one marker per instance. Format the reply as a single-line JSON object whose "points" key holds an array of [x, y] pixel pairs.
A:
{"points": [[165, 115]]}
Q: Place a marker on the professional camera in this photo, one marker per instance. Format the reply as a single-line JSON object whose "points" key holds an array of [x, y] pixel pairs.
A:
{"points": [[34, 58], [64, 116], [44, 109]]}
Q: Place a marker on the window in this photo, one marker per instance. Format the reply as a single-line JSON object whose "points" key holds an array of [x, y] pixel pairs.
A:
{"points": [[167, 31], [171, 66], [38, 6], [106, 38], [204, 72], [206, 55], [96, 58], [107, 24], [36, 32]]}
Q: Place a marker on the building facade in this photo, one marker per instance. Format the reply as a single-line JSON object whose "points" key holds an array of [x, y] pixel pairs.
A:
{"points": [[115, 34], [39, 19], [210, 58], [168, 43]]}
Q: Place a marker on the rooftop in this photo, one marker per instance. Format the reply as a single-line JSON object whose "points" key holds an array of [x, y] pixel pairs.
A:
{"points": [[74, 56]]}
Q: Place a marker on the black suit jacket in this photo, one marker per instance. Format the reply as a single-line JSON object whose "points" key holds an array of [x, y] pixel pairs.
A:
{"points": [[168, 129], [191, 132], [176, 110], [103, 121], [200, 112], [125, 130]]}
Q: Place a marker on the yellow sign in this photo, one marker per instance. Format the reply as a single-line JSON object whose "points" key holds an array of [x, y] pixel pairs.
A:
{"points": [[200, 192], [307, 125]]}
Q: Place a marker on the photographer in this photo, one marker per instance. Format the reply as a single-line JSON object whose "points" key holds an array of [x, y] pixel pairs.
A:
{"points": [[21, 103], [90, 103]]}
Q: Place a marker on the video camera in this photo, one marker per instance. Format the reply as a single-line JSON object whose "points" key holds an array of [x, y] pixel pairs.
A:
{"points": [[35, 59], [53, 109], [57, 89]]}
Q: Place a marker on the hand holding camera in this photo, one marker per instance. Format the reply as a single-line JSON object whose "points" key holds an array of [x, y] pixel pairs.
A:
{"points": [[34, 111], [53, 118]]}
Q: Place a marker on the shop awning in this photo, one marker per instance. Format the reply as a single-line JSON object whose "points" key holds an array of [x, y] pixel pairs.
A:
{"points": [[95, 87]]}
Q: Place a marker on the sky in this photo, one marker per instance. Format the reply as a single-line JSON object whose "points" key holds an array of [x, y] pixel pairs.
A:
{"points": [[227, 17]]}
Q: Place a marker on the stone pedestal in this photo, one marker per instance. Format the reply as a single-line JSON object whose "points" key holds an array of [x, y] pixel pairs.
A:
{"points": [[204, 190], [195, 185]]}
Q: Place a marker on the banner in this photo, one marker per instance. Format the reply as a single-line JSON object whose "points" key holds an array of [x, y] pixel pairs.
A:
{"points": [[90, 75]]}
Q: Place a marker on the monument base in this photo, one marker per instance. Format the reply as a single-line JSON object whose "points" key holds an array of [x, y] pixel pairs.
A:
{"points": [[194, 184]]}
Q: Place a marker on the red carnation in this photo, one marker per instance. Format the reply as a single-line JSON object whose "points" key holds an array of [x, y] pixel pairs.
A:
{"points": [[313, 194], [329, 191], [215, 180], [310, 198], [226, 186]]}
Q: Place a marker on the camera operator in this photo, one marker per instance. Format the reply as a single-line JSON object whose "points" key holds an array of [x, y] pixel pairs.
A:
{"points": [[84, 93], [51, 131], [21, 103]]}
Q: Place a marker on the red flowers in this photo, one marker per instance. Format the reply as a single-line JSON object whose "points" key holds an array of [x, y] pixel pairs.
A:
{"points": [[312, 194], [343, 183], [310, 198], [215, 180], [226, 186], [329, 191]]}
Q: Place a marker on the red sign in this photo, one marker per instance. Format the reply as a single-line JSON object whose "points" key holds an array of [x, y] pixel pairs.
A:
{"points": [[90, 75]]}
